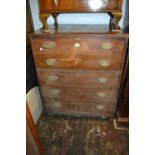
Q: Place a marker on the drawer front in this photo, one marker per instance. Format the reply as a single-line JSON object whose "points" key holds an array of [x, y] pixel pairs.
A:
{"points": [[79, 5], [78, 45], [78, 108], [71, 78], [91, 62], [79, 94]]}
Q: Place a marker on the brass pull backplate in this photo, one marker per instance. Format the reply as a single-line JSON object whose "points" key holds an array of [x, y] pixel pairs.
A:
{"points": [[100, 107], [54, 91], [49, 45], [104, 63], [51, 62], [53, 78], [57, 105], [102, 80], [107, 45], [101, 94]]}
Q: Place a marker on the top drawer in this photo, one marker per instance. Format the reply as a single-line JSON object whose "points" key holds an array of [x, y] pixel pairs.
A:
{"points": [[79, 44], [79, 5]]}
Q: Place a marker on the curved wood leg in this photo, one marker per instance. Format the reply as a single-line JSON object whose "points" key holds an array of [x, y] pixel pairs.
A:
{"points": [[112, 20], [43, 18], [116, 18], [55, 20]]}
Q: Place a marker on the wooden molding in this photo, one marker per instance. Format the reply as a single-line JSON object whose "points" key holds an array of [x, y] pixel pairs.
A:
{"points": [[34, 130]]}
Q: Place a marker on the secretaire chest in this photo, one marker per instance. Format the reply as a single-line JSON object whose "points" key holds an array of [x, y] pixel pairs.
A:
{"points": [[79, 67]]}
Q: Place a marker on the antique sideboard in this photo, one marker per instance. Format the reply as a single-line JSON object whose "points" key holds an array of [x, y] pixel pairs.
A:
{"points": [[79, 67]]}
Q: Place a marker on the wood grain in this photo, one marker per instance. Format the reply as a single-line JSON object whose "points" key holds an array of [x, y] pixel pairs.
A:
{"points": [[49, 6], [79, 94], [82, 136], [68, 64], [76, 78], [88, 44]]}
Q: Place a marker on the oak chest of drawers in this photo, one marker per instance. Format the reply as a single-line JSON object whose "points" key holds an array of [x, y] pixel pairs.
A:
{"points": [[79, 68]]}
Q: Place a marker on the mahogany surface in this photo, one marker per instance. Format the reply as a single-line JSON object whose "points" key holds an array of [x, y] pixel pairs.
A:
{"points": [[50, 6], [76, 78], [69, 62], [79, 94], [76, 109]]}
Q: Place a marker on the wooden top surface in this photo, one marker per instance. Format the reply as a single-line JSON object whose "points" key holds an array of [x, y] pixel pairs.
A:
{"points": [[81, 29]]}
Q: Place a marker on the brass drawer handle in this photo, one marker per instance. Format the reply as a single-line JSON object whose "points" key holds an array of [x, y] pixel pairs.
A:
{"points": [[104, 63], [102, 80], [100, 107], [106, 45], [53, 78], [101, 94], [54, 91], [49, 45], [51, 62]]}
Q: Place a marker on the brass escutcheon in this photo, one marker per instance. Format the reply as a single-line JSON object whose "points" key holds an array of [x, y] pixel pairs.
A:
{"points": [[106, 45], [101, 94], [49, 45], [51, 61], [53, 78], [102, 80], [104, 63]]}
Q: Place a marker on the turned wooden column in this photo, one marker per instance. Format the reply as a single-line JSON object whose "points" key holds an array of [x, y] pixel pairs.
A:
{"points": [[115, 18], [43, 18]]}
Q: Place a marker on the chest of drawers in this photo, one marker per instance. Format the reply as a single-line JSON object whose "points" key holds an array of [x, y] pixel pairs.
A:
{"points": [[79, 68]]}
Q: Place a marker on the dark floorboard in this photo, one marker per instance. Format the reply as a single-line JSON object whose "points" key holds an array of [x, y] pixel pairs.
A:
{"points": [[81, 136]]}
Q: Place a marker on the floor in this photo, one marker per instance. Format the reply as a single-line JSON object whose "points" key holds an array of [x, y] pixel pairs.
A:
{"points": [[81, 136]]}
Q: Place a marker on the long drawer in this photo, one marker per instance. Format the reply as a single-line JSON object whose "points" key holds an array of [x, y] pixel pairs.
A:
{"points": [[79, 94], [78, 108], [49, 6], [81, 44], [102, 62], [91, 52], [71, 78]]}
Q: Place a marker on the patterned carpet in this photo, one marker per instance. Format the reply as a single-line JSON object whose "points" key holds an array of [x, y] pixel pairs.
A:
{"points": [[81, 136]]}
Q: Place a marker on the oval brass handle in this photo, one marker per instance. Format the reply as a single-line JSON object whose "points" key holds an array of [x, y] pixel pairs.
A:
{"points": [[101, 94], [100, 107], [106, 45], [54, 91], [49, 45], [53, 78], [104, 63], [102, 80], [51, 62]]}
